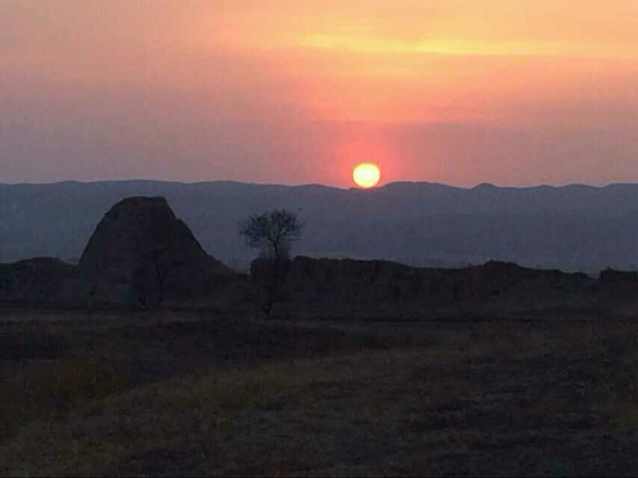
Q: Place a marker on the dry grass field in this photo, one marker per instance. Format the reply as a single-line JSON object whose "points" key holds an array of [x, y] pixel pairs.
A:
{"points": [[188, 393]]}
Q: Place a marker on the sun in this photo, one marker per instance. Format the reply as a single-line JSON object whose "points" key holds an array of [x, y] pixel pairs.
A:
{"points": [[366, 175]]}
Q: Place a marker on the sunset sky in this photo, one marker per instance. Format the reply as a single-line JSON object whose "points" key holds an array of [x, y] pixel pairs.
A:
{"points": [[462, 92]]}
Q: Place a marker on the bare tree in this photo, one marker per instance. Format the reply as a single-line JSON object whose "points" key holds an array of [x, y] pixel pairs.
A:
{"points": [[272, 233]]}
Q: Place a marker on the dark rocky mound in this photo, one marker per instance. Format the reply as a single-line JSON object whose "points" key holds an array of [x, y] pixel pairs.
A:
{"points": [[40, 281], [142, 254], [619, 288], [613, 277], [349, 288]]}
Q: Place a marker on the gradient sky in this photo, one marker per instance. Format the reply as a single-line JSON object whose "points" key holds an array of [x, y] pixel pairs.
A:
{"points": [[509, 92]]}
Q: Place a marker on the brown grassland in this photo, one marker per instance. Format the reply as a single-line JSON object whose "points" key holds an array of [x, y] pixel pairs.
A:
{"points": [[192, 393]]}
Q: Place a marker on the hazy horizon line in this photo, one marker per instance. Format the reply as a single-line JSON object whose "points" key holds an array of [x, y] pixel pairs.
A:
{"points": [[326, 186]]}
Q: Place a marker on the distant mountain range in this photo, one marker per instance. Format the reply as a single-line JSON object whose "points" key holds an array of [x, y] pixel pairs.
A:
{"points": [[573, 227]]}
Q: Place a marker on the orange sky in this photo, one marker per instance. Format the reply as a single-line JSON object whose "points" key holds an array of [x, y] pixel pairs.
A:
{"points": [[294, 92]]}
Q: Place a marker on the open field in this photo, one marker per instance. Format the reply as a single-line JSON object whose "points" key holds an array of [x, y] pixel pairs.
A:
{"points": [[168, 393]]}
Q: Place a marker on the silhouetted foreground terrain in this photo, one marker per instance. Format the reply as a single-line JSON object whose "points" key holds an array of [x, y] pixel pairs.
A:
{"points": [[168, 393], [578, 228], [151, 357]]}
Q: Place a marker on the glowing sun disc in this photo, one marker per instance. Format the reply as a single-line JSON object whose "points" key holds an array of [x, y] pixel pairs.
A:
{"points": [[366, 175]]}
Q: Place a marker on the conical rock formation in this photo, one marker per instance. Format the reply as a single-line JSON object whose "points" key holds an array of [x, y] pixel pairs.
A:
{"points": [[142, 254]]}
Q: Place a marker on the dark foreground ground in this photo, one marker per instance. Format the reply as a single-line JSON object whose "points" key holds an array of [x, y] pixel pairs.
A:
{"points": [[169, 393]]}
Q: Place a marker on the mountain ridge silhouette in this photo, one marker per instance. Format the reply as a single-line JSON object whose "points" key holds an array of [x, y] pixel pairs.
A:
{"points": [[572, 227]]}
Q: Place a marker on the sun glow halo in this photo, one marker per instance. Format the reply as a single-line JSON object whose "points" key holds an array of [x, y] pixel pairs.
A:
{"points": [[366, 175]]}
